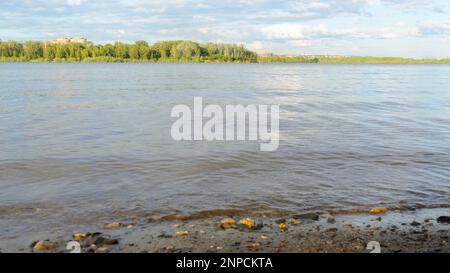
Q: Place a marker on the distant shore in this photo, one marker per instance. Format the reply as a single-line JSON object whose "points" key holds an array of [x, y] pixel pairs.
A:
{"points": [[179, 51], [260, 60]]}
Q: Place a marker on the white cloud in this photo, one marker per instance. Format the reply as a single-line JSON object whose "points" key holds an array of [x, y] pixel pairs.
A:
{"points": [[293, 31], [301, 43], [301, 32], [435, 28], [223, 33], [74, 2], [203, 18], [302, 6], [116, 32], [256, 46]]}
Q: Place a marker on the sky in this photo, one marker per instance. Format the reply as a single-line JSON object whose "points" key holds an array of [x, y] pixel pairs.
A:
{"points": [[414, 28]]}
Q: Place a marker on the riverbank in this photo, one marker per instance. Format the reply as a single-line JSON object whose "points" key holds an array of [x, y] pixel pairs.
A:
{"points": [[423, 230], [290, 60]]}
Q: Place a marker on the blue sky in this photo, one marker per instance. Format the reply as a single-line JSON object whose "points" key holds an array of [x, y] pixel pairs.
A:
{"points": [[414, 28]]}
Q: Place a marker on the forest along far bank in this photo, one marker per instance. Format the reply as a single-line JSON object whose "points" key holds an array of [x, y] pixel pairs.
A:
{"points": [[170, 52]]}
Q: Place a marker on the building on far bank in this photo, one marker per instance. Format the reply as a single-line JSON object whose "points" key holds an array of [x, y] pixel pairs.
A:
{"points": [[306, 56], [66, 40], [326, 56]]}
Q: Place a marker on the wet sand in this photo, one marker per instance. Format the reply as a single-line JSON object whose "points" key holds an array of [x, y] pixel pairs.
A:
{"points": [[396, 231]]}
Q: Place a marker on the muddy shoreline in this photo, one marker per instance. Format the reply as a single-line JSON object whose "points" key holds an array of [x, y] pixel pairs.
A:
{"points": [[395, 231]]}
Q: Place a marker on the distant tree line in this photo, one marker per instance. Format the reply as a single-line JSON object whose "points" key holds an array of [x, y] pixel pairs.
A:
{"points": [[140, 51], [166, 51]]}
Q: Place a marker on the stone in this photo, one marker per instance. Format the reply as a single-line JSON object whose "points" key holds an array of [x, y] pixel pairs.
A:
{"points": [[331, 221], [169, 248], [78, 236], [378, 210], [100, 240], [182, 233], [307, 216], [331, 230], [256, 245], [90, 249], [115, 225], [444, 220], [44, 245], [248, 223], [415, 224], [228, 223], [102, 250], [283, 227], [295, 222]]}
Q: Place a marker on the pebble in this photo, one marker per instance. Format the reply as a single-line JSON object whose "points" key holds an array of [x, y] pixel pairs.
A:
{"points": [[91, 249], [256, 245], [105, 241], [248, 222], [331, 230], [114, 225], [102, 250], [182, 233], [307, 216], [283, 227], [77, 236], [378, 210], [169, 248], [444, 220], [43, 245], [294, 222], [331, 221], [228, 223]]}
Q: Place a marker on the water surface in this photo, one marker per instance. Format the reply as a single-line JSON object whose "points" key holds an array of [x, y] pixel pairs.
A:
{"points": [[88, 143]]}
